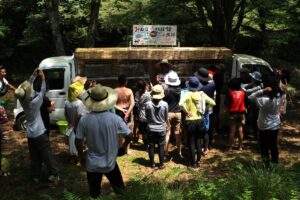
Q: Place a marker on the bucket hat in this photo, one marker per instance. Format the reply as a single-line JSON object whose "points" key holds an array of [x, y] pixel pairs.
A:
{"points": [[100, 98], [193, 84], [172, 79], [202, 74], [158, 92], [23, 92], [256, 75]]}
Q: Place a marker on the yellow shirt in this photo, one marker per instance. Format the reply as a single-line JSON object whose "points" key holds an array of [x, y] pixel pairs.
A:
{"points": [[194, 102]]}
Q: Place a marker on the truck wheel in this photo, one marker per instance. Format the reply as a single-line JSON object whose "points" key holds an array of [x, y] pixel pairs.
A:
{"points": [[21, 123]]}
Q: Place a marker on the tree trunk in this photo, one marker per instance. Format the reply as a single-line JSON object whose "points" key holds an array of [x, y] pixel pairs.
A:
{"points": [[93, 22], [53, 14], [221, 13]]}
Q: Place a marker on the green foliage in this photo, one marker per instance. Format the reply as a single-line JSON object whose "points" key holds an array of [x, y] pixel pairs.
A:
{"points": [[70, 196]]}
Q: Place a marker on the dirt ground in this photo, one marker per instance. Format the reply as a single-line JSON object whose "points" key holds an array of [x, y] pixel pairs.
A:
{"points": [[16, 160]]}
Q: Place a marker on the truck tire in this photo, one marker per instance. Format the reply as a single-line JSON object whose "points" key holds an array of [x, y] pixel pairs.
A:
{"points": [[21, 123]]}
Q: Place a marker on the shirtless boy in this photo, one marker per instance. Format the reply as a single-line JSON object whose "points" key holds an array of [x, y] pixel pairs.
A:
{"points": [[125, 103]]}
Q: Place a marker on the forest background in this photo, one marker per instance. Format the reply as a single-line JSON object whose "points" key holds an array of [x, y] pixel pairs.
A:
{"points": [[32, 31]]}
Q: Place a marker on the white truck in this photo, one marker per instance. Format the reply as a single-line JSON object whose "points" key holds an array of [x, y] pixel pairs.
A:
{"points": [[105, 64]]}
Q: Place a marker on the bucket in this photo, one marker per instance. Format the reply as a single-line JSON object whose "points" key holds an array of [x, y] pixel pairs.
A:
{"points": [[62, 126]]}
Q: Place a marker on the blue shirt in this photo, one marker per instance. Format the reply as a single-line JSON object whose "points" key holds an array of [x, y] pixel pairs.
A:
{"points": [[101, 130], [35, 125]]}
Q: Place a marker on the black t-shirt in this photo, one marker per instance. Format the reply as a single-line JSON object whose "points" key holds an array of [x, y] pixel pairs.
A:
{"points": [[172, 97], [45, 113]]}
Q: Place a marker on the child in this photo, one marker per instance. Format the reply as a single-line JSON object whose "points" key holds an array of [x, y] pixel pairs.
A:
{"points": [[235, 101], [157, 117]]}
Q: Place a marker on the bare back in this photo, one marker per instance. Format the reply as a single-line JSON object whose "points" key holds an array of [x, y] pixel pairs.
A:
{"points": [[124, 96]]}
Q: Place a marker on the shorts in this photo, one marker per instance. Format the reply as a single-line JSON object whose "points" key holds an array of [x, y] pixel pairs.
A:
{"points": [[237, 118], [122, 115]]}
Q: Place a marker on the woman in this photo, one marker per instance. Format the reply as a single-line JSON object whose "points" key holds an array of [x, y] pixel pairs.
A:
{"points": [[193, 104], [268, 100]]}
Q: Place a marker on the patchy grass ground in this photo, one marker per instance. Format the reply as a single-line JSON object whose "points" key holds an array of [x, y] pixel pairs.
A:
{"points": [[135, 166]]}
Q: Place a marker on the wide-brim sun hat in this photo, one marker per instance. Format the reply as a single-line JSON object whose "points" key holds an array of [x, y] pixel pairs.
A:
{"points": [[100, 98], [157, 92], [256, 76], [193, 84], [81, 79], [75, 89], [203, 75], [172, 79], [164, 62], [23, 92]]}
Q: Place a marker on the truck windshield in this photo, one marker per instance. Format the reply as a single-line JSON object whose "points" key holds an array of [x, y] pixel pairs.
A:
{"points": [[54, 78]]}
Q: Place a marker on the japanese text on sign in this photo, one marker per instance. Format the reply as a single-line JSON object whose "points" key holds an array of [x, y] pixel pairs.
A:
{"points": [[154, 35]]}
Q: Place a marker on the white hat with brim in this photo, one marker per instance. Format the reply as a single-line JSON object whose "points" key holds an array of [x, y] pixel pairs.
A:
{"points": [[100, 98], [172, 79], [157, 92], [23, 92]]}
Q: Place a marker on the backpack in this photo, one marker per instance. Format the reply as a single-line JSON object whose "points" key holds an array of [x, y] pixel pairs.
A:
{"points": [[3, 89], [3, 115]]}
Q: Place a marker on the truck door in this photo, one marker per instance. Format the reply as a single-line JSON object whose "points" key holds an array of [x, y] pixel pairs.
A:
{"points": [[56, 80]]}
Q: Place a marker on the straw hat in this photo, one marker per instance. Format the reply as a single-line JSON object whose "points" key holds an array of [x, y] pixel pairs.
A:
{"points": [[100, 98], [75, 89], [172, 79], [81, 79], [193, 84], [23, 92], [202, 74], [164, 62], [157, 92]]}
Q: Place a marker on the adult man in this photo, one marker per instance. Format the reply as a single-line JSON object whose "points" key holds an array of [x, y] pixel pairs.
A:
{"points": [[101, 129], [3, 82], [172, 97], [125, 102], [38, 140], [163, 68]]}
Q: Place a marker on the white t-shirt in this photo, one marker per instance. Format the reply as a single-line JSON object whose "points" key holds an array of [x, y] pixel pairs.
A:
{"points": [[3, 81], [74, 109]]}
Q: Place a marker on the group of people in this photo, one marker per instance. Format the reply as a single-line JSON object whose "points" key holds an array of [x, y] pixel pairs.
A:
{"points": [[187, 110]]}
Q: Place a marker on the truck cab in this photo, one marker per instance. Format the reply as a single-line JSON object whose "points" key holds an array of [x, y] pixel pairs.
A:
{"points": [[58, 72], [236, 62]]}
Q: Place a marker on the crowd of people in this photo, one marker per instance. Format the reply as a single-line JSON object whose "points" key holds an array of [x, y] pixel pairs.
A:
{"points": [[171, 109]]}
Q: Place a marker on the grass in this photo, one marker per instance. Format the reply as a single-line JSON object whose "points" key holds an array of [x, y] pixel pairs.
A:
{"points": [[222, 175]]}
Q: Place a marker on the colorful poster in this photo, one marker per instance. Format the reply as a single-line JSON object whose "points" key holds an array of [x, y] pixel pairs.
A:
{"points": [[154, 35]]}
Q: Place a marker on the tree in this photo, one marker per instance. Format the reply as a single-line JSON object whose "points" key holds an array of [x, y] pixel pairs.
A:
{"points": [[93, 23], [52, 10]]}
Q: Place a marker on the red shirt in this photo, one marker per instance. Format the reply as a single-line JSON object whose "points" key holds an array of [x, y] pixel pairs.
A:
{"points": [[237, 101]]}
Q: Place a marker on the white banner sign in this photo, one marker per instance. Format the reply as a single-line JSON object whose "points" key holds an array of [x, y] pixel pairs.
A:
{"points": [[154, 35]]}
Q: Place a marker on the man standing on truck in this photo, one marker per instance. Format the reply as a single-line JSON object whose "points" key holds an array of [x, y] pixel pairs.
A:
{"points": [[38, 140], [125, 102]]}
